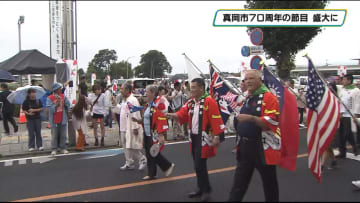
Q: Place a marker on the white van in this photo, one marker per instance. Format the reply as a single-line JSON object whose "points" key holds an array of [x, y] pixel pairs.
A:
{"points": [[139, 85]]}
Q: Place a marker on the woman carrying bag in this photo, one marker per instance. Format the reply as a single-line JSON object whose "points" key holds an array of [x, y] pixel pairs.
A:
{"points": [[98, 111]]}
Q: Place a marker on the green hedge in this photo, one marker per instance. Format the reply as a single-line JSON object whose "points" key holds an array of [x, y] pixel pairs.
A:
{"points": [[13, 86]]}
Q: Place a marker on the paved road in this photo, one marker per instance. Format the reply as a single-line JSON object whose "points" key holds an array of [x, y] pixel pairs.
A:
{"points": [[95, 176]]}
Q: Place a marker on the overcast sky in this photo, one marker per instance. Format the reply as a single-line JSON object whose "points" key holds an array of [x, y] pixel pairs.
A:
{"points": [[133, 28]]}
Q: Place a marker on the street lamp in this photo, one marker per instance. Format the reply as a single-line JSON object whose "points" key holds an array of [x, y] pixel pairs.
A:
{"points": [[20, 21], [127, 68]]}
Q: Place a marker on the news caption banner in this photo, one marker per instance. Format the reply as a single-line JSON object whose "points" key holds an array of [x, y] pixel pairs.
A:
{"points": [[280, 17]]}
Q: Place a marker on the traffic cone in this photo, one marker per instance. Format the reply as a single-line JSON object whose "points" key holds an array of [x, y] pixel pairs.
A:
{"points": [[22, 118]]}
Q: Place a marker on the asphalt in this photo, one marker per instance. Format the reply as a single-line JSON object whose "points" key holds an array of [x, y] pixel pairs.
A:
{"points": [[97, 174]]}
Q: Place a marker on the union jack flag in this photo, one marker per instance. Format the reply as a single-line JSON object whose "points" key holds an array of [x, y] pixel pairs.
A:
{"points": [[221, 92]]}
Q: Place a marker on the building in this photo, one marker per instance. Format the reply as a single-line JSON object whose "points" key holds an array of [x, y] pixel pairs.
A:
{"points": [[325, 71]]}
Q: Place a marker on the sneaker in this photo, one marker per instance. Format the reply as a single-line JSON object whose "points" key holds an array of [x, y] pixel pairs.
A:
{"points": [[31, 149], [356, 183], [149, 178], [170, 170], [126, 167], [64, 151], [16, 129], [53, 153], [142, 166], [301, 125], [41, 148]]}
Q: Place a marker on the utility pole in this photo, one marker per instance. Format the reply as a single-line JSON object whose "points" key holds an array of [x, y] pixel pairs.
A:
{"points": [[20, 21], [68, 31]]}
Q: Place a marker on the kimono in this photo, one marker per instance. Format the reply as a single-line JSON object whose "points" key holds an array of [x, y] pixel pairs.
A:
{"points": [[210, 123]]}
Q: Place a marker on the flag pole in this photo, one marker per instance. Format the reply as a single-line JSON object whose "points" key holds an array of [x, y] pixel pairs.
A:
{"points": [[236, 89], [290, 89], [322, 79], [201, 73]]}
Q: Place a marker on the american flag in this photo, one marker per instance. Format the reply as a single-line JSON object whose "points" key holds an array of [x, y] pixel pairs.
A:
{"points": [[223, 94], [323, 119]]}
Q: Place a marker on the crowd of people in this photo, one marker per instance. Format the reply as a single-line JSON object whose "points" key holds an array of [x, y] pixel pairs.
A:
{"points": [[143, 124]]}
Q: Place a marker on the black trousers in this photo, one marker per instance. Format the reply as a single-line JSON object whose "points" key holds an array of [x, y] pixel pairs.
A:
{"points": [[159, 160], [200, 165], [248, 160], [8, 117], [345, 135], [301, 114]]}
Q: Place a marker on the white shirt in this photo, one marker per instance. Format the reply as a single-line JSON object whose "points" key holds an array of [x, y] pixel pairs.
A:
{"points": [[147, 121], [177, 101], [124, 115], [108, 95], [195, 119], [99, 107], [351, 98]]}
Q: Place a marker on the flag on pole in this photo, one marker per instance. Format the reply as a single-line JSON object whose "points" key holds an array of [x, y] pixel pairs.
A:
{"points": [[220, 90], [288, 121], [323, 119], [192, 72]]}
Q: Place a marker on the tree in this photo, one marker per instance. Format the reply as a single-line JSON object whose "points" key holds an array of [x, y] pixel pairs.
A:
{"points": [[118, 70], [100, 64], [153, 64], [81, 72], [282, 44]]}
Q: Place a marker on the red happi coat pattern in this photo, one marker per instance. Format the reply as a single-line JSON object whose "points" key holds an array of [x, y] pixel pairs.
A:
{"points": [[269, 114], [158, 122], [212, 124]]}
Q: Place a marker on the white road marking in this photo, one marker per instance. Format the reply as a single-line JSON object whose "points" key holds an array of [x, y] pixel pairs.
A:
{"points": [[21, 162], [94, 157], [8, 163], [42, 160], [39, 157]]}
